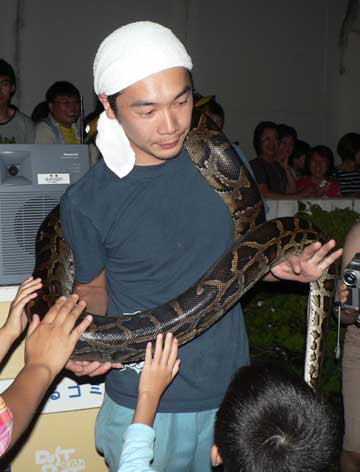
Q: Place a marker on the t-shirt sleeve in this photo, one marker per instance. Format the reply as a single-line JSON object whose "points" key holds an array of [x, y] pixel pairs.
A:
{"points": [[6, 426], [138, 449], [259, 171], [84, 240], [29, 132]]}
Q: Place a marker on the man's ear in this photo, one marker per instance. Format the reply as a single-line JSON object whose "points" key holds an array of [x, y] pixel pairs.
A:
{"points": [[215, 456], [108, 110]]}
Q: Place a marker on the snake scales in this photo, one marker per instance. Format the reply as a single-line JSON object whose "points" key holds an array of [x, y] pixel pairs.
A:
{"points": [[258, 246]]}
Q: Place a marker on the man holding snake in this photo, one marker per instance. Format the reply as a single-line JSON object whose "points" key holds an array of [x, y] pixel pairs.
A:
{"points": [[144, 225]]}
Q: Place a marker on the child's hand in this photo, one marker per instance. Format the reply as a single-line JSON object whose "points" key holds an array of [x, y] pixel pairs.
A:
{"points": [[160, 369], [17, 320], [51, 341]]}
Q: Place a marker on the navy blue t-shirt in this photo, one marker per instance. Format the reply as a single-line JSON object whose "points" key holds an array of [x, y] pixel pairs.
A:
{"points": [[156, 232]]}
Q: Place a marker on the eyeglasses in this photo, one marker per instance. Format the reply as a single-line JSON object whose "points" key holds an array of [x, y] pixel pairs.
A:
{"points": [[67, 103]]}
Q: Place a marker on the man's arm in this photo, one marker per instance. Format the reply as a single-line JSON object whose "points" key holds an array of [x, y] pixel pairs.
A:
{"points": [[94, 293]]}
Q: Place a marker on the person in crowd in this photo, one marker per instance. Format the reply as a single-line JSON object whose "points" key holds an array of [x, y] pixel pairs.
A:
{"points": [[60, 126], [297, 160], [274, 177], [348, 173], [211, 108], [138, 224], [48, 346], [350, 456], [269, 420], [15, 127], [319, 165], [287, 140], [40, 112]]}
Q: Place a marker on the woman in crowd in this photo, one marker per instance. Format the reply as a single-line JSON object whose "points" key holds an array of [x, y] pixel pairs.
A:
{"points": [[273, 176]]}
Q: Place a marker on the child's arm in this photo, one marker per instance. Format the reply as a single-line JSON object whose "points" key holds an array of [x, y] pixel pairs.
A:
{"points": [[48, 346], [16, 320], [157, 374], [159, 370]]}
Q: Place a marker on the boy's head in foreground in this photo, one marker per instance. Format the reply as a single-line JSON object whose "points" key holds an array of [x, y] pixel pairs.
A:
{"points": [[271, 421]]}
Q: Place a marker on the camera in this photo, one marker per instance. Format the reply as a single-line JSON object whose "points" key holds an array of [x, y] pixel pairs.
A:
{"points": [[351, 279]]}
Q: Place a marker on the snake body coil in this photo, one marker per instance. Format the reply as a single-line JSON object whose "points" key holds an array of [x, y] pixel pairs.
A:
{"points": [[258, 246]]}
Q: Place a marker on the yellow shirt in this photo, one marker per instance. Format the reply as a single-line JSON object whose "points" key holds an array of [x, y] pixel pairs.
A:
{"points": [[69, 135]]}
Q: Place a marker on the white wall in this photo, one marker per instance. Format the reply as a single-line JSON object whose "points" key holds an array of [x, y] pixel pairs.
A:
{"points": [[263, 60]]}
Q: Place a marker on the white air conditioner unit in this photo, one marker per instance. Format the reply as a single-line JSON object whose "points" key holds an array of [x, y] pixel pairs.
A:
{"points": [[33, 178]]}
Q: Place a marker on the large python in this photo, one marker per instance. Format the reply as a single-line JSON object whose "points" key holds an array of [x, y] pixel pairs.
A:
{"points": [[258, 246]]}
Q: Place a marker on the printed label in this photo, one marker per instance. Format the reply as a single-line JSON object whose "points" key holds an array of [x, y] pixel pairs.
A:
{"points": [[54, 179]]}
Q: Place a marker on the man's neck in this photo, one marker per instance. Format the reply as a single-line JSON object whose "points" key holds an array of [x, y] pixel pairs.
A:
{"points": [[6, 112]]}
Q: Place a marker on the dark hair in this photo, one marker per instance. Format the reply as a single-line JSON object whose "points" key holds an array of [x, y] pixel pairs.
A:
{"points": [[259, 130], [286, 131], [323, 151], [7, 71], [61, 88], [301, 148], [112, 101], [348, 146], [271, 421], [210, 106], [40, 112]]}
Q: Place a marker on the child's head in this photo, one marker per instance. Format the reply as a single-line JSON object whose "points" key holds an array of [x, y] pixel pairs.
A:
{"points": [[271, 421], [298, 158], [348, 147], [320, 162]]}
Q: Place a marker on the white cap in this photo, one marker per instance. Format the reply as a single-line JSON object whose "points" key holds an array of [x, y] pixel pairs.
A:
{"points": [[128, 55]]}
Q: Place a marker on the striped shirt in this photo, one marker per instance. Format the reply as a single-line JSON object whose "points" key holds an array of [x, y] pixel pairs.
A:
{"points": [[6, 426], [349, 181]]}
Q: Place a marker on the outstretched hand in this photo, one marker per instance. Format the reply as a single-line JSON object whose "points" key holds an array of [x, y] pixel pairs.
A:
{"points": [[159, 371], [309, 265], [17, 320], [51, 341]]}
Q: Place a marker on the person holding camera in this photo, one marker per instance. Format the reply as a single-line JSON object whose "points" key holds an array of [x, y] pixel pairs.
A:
{"points": [[348, 294]]}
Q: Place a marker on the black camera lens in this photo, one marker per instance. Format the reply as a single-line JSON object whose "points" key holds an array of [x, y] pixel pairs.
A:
{"points": [[350, 278], [13, 170]]}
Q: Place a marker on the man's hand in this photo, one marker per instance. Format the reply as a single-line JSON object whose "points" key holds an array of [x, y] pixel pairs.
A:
{"points": [[92, 369], [309, 265]]}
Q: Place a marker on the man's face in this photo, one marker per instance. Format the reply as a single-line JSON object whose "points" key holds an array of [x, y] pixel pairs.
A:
{"points": [[155, 114], [65, 110], [6, 90]]}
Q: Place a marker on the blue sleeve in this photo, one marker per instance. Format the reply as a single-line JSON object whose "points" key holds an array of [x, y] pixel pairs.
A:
{"points": [[244, 159], [138, 449], [84, 239]]}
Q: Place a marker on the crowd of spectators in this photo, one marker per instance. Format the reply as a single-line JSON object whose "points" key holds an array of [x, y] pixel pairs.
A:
{"points": [[287, 167]]}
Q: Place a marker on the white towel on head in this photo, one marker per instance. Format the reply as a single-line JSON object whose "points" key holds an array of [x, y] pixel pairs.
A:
{"points": [[129, 54]]}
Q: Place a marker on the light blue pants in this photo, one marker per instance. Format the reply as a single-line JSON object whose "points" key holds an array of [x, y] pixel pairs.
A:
{"points": [[183, 440]]}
